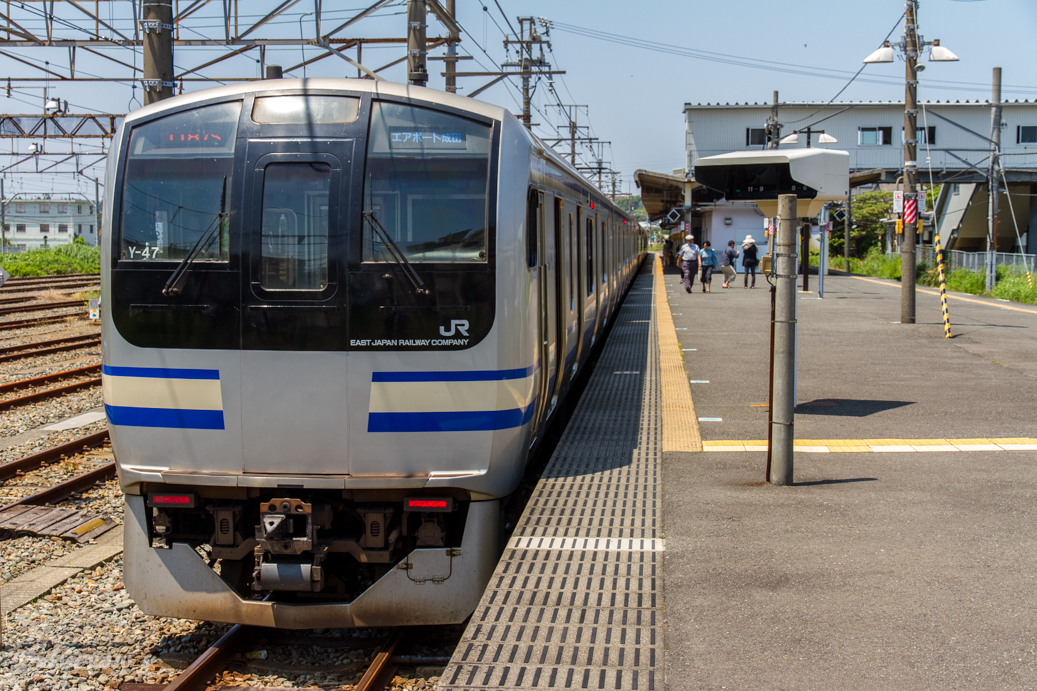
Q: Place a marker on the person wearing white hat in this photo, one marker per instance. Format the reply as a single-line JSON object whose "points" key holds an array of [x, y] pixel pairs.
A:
{"points": [[688, 256], [750, 260]]}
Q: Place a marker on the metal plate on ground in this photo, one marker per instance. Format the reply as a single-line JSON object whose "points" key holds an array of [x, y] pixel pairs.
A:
{"points": [[575, 600], [68, 524]]}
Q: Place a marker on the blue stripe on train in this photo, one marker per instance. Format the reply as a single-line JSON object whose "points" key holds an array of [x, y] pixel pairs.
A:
{"points": [[465, 421], [473, 375], [164, 417], [160, 372]]}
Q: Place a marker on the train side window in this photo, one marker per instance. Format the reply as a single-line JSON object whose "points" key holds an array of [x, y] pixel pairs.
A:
{"points": [[590, 256], [294, 243], [173, 185], [604, 251], [532, 231], [572, 264]]}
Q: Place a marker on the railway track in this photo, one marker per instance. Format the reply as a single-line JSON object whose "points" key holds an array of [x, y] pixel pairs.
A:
{"points": [[48, 347], [220, 654], [39, 321], [8, 403], [42, 306], [57, 454]]}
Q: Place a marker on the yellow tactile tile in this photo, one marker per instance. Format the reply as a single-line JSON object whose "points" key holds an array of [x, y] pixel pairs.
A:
{"points": [[680, 424]]}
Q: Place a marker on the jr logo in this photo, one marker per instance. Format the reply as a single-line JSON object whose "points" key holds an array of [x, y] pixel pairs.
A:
{"points": [[455, 325]]}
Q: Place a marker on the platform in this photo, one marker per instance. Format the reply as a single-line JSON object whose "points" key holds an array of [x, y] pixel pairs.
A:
{"points": [[575, 601], [902, 557]]}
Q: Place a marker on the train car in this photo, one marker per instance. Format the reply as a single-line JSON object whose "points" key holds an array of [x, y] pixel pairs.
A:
{"points": [[337, 316]]}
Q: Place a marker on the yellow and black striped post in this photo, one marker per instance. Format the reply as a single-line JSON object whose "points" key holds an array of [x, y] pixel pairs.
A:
{"points": [[943, 289]]}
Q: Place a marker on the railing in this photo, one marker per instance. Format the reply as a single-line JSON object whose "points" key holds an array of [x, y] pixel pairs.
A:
{"points": [[973, 261]]}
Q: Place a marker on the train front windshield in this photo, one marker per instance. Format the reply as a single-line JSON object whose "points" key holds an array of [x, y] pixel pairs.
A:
{"points": [[325, 200]]}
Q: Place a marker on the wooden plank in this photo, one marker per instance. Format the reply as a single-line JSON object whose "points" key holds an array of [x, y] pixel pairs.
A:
{"points": [[63, 526], [88, 531], [47, 519], [10, 513], [26, 517]]}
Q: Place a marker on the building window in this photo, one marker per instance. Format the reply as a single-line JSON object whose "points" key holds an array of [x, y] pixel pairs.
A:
{"points": [[44, 227], [80, 229], [91, 228], [79, 208], [755, 136], [62, 227], [44, 207], [19, 208], [1026, 134], [19, 228], [875, 136], [923, 136], [61, 209]]}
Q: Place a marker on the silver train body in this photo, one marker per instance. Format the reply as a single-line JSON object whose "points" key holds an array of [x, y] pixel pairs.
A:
{"points": [[337, 315]]}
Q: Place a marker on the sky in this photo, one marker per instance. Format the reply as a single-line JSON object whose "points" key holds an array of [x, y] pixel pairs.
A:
{"points": [[633, 65]]}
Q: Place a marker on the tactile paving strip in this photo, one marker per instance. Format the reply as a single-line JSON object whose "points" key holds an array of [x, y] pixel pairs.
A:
{"points": [[574, 602]]}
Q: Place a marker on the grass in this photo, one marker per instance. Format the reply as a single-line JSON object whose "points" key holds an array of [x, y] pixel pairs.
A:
{"points": [[1010, 285], [74, 258]]}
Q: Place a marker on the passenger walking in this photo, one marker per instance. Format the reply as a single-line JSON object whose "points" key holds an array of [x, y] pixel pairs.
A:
{"points": [[709, 262], [667, 252], [750, 260], [688, 256], [727, 263]]}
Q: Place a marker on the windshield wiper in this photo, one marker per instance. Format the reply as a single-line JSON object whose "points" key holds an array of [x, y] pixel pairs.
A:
{"points": [[397, 254], [176, 282]]}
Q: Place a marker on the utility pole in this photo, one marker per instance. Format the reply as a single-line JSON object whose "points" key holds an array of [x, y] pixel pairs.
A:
{"points": [[847, 222], [3, 219], [907, 245], [992, 186], [571, 114], [772, 130], [451, 53], [783, 379], [157, 37], [417, 66], [527, 64]]}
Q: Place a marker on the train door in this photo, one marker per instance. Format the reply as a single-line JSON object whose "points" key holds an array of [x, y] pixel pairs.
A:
{"points": [[561, 308], [579, 279], [589, 283], [294, 327], [599, 294], [540, 261]]}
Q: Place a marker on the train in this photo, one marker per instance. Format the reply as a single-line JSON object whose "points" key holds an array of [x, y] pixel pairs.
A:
{"points": [[337, 318]]}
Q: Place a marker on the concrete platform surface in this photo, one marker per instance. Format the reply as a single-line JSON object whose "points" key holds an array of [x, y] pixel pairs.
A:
{"points": [[876, 570]]}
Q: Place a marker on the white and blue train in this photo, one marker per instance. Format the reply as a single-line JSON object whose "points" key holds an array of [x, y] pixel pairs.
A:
{"points": [[337, 315]]}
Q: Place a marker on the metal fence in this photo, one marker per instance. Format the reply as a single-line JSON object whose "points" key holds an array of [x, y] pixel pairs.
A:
{"points": [[973, 261]]}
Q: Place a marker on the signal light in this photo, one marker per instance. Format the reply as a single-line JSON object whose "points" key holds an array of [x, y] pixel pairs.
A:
{"points": [[428, 504], [178, 501]]}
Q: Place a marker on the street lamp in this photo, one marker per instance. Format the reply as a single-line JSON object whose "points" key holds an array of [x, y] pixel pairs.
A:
{"points": [[910, 45]]}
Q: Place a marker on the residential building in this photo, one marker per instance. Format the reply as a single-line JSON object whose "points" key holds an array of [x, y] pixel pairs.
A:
{"points": [[31, 222]]}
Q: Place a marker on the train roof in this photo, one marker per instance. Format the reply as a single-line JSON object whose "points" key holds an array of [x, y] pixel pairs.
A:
{"points": [[380, 87]]}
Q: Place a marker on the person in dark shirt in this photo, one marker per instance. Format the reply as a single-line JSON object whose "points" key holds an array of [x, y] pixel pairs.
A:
{"points": [[727, 263], [750, 260]]}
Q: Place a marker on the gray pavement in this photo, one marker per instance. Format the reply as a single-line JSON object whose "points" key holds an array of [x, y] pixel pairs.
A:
{"points": [[877, 570]]}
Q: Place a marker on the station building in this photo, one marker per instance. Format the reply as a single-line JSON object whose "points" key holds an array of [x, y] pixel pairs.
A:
{"points": [[47, 220], [953, 152]]}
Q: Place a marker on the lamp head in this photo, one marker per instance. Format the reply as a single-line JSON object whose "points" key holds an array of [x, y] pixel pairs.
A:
{"points": [[790, 139], [827, 139], [52, 104], [940, 54], [883, 54]]}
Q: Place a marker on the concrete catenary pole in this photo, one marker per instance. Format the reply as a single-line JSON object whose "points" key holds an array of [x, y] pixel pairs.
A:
{"points": [[907, 246], [451, 52], [157, 38], [992, 186], [3, 219], [417, 65], [783, 380], [847, 222]]}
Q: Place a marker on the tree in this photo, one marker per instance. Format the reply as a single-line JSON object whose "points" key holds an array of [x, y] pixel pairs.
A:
{"points": [[866, 227]]}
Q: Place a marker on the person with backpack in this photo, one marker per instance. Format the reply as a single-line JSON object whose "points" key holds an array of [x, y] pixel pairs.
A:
{"points": [[750, 260], [708, 259], [727, 263], [688, 256]]}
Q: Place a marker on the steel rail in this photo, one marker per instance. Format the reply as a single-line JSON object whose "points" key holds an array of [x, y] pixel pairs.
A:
{"points": [[380, 664], [9, 403], [57, 277], [12, 301], [52, 455], [196, 677], [61, 345], [64, 490], [38, 321], [39, 307], [48, 378]]}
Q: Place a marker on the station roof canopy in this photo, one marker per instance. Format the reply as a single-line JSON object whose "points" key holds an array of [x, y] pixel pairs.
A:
{"points": [[661, 192]]}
